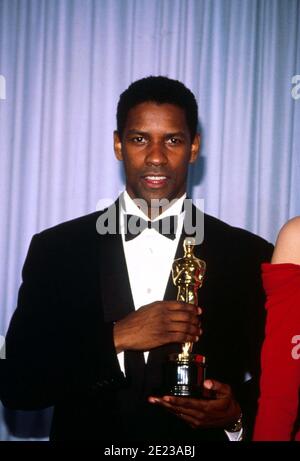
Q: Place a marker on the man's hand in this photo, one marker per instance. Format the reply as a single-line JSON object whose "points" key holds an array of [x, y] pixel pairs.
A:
{"points": [[158, 323], [221, 411]]}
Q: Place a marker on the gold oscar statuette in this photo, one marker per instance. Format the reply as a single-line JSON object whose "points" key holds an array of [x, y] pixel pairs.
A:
{"points": [[185, 371]]}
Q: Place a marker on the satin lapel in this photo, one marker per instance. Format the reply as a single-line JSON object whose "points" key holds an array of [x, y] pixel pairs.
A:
{"points": [[116, 294], [117, 302]]}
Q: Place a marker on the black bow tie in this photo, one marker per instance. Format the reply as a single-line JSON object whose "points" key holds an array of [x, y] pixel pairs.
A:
{"points": [[134, 225]]}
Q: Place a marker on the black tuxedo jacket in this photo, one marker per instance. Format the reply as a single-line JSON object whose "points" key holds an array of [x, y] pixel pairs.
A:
{"points": [[60, 349]]}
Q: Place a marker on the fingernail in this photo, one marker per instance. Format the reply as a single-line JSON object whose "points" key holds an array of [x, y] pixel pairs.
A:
{"points": [[197, 339], [199, 310], [208, 384], [153, 400]]}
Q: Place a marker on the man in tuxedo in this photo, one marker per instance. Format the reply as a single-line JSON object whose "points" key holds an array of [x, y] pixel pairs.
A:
{"points": [[97, 318]]}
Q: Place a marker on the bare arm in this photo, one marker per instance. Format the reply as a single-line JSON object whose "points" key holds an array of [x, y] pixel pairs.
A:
{"points": [[287, 249]]}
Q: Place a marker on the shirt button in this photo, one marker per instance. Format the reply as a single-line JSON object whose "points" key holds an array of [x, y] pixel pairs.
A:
{"points": [[151, 251], [149, 290]]}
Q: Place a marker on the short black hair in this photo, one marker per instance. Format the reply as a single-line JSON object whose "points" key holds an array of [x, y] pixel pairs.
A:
{"points": [[161, 90]]}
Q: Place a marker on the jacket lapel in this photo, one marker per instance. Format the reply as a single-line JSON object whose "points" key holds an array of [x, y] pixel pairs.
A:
{"points": [[117, 302], [116, 294]]}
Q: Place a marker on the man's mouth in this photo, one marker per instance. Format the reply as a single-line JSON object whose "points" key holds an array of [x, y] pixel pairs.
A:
{"points": [[155, 181]]}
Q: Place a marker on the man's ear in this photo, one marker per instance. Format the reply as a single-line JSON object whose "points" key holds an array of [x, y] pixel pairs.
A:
{"points": [[195, 148], [118, 146]]}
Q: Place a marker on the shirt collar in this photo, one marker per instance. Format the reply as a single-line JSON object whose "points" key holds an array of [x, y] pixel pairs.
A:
{"points": [[128, 206]]}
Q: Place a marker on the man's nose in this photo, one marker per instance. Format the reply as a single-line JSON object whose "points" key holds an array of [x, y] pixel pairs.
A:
{"points": [[156, 154]]}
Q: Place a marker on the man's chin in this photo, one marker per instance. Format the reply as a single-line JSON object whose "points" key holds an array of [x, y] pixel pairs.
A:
{"points": [[156, 199]]}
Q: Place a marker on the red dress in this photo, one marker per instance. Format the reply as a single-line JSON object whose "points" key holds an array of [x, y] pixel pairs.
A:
{"points": [[280, 379]]}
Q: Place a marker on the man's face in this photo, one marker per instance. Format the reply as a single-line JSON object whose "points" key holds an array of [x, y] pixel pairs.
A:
{"points": [[156, 148]]}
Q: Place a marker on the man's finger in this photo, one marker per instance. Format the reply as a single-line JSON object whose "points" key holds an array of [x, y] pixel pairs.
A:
{"points": [[193, 416], [220, 389], [185, 403], [179, 306], [184, 316]]}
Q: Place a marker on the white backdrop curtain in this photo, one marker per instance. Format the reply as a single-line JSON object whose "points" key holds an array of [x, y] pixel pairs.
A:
{"points": [[64, 64]]}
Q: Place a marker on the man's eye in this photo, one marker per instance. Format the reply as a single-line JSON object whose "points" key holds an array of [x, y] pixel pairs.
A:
{"points": [[138, 139], [174, 140]]}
